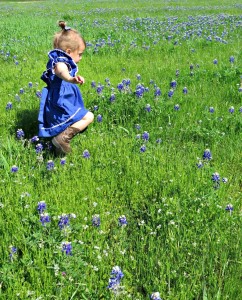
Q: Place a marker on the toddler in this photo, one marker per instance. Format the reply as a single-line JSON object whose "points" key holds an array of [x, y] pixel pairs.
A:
{"points": [[62, 113]]}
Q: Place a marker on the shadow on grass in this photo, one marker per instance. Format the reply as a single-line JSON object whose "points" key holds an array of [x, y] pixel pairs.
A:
{"points": [[28, 121]]}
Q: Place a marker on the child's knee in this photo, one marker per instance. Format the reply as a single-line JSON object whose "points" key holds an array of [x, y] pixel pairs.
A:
{"points": [[90, 117]]}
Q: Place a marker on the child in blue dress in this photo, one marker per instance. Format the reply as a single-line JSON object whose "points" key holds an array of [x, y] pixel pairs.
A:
{"points": [[62, 113]]}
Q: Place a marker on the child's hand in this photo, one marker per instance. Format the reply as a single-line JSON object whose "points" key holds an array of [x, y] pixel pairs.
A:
{"points": [[78, 79]]}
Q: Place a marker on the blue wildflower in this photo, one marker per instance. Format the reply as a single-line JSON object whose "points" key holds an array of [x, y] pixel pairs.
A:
{"points": [[95, 107], [207, 154], [99, 118], [231, 59], [41, 206], [155, 296], [20, 134], [211, 109], [64, 221], [21, 91], [173, 84], [96, 220], [120, 86], [215, 61], [63, 161], [185, 91], [170, 93], [115, 279], [231, 109], [148, 108], [229, 207], [99, 89], [177, 73], [176, 107], [138, 76], [157, 92], [39, 148], [145, 136], [93, 84], [143, 148], [159, 140], [14, 169], [50, 165], [30, 84], [13, 252], [137, 126], [112, 98], [34, 139], [44, 218], [216, 179], [67, 248], [200, 164], [86, 154], [224, 180], [9, 106], [122, 220]]}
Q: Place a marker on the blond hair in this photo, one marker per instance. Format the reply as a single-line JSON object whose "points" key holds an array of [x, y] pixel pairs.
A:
{"points": [[67, 38]]}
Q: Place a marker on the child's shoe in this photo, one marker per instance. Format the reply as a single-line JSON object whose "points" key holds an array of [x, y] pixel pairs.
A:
{"points": [[62, 140]]}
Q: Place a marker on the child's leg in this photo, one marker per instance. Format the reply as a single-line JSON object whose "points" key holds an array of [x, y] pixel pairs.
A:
{"points": [[84, 122]]}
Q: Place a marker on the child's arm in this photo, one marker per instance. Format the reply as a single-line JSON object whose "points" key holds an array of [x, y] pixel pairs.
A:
{"points": [[61, 70]]}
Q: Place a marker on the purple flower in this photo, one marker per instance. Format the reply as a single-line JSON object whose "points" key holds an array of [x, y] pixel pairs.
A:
{"points": [[211, 109], [137, 126], [207, 154], [157, 92], [96, 220], [50, 165], [155, 296], [20, 134], [170, 93], [21, 91], [30, 84], [95, 107], [173, 84], [122, 220], [120, 86], [200, 164], [9, 106], [229, 207], [44, 218], [39, 148], [138, 76], [93, 84], [224, 180], [64, 221], [215, 61], [99, 89], [159, 140], [99, 118], [185, 91], [115, 279], [191, 67], [139, 90], [231, 109], [86, 154], [216, 179], [138, 136], [112, 98], [231, 59], [143, 148], [13, 252], [148, 108], [67, 248], [63, 161], [34, 139], [41, 207], [14, 169], [176, 107], [145, 136]]}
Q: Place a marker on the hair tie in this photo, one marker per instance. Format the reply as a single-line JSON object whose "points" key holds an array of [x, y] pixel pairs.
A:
{"points": [[66, 28]]}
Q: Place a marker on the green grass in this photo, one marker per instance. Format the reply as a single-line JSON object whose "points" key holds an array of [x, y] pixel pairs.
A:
{"points": [[180, 241]]}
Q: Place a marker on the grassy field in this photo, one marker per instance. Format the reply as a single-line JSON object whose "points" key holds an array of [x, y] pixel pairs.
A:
{"points": [[163, 79]]}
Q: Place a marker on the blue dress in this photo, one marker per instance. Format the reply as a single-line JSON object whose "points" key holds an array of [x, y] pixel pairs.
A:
{"points": [[61, 102]]}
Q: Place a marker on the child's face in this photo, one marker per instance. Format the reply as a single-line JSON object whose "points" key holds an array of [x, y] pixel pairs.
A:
{"points": [[76, 55]]}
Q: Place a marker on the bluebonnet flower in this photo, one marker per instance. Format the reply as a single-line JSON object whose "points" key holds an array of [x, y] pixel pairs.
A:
{"points": [[207, 154], [93, 84], [41, 206], [215, 61], [50, 165], [148, 108], [170, 93], [16, 62], [159, 140], [63, 161], [211, 109], [39, 148], [177, 73], [138, 76], [9, 106], [13, 252], [145, 136], [44, 218], [67, 248], [155, 296], [95, 107], [143, 148], [99, 118], [30, 84], [112, 98], [224, 180], [200, 164], [115, 279], [139, 90], [157, 92], [231, 109], [20, 134], [14, 169], [240, 109], [64, 221], [185, 91], [216, 179], [137, 126], [191, 66], [21, 91], [86, 154], [231, 59], [151, 81], [229, 207], [122, 220], [96, 220], [138, 136], [99, 89], [120, 86], [38, 94], [176, 106], [34, 139], [173, 84]]}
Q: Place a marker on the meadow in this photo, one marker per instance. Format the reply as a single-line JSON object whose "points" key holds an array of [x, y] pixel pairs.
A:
{"points": [[148, 204]]}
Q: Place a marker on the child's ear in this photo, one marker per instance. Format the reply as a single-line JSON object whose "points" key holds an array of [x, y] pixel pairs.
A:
{"points": [[68, 51]]}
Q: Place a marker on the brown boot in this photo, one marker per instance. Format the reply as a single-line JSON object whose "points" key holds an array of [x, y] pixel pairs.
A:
{"points": [[62, 140]]}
